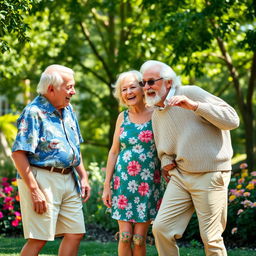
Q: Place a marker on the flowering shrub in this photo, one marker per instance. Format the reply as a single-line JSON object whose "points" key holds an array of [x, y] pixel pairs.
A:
{"points": [[242, 207], [10, 216]]}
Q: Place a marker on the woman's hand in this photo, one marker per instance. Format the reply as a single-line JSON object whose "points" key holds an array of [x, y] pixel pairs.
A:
{"points": [[106, 196]]}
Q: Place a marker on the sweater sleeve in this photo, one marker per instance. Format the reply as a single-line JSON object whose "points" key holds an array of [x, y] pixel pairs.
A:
{"points": [[214, 110]]}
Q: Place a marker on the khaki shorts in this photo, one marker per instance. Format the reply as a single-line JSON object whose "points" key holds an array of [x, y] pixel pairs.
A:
{"points": [[64, 207]]}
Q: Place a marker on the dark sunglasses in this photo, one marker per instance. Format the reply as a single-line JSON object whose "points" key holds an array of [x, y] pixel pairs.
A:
{"points": [[149, 82]]}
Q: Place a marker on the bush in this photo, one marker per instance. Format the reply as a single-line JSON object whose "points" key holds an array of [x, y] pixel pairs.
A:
{"points": [[240, 229], [242, 208], [241, 225], [95, 211], [10, 216]]}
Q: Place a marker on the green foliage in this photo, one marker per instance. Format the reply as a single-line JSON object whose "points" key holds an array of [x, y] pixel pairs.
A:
{"points": [[12, 21], [213, 43], [10, 216], [242, 208], [7, 126], [95, 211], [241, 211], [241, 225]]}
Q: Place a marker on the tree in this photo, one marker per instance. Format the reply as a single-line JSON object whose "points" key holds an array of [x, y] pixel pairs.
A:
{"points": [[104, 39], [12, 21], [215, 32]]}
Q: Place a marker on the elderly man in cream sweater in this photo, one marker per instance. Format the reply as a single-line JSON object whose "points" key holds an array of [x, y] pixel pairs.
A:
{"points": [[191, 130]]}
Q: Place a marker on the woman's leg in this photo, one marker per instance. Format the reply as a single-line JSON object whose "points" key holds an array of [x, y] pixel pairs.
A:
{"points": [[125, 238], [139, 238]]}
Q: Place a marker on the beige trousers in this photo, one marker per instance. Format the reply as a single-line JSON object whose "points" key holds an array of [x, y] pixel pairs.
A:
{"points": [[205, 193]]}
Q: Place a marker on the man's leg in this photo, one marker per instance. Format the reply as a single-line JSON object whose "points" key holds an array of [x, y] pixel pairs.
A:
{"points": [[32, 247], [210, 200], [70, 244], [173, 216]]}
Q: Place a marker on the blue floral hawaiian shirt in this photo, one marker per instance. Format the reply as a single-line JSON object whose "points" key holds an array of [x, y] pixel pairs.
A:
{"points": [[49, 139]]}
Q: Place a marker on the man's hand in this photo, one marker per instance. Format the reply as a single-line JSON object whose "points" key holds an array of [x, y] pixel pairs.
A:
{"points": [[39, 201], [183, 102], [165, 171]]}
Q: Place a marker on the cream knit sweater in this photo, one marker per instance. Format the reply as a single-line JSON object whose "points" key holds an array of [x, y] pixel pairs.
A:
{"points": [[199, 141]]}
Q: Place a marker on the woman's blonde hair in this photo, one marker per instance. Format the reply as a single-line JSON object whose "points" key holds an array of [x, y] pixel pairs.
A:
{"points": [[119, 81]]}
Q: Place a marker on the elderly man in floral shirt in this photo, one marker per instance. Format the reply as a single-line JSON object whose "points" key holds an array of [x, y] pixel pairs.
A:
{"points": [[47, 155]]}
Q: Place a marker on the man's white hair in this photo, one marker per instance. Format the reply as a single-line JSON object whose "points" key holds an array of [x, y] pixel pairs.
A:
{"points": [[165, 71], [52, 76], [119, 82]]}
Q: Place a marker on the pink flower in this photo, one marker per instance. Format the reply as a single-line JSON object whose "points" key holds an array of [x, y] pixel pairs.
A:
{"points": [[143, 188], [121, 130], [240, 181], [4, 179], [246, 203], [253, 173], [122, 202], [116, 182], [243, 166], [239, 211], [247, 194], [157, 176], [233, 231], [8, 206], [1, 215], [17, 213], [8, 199], [8, 189], [145, 136], [133, 168], [15, 223], [5, 184]]}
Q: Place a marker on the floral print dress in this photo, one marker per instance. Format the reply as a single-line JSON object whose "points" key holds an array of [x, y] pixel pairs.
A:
{"points": [[137, 191]]}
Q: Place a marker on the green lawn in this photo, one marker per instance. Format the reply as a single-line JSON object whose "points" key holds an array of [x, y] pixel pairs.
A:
{"points": [[12, 246]]}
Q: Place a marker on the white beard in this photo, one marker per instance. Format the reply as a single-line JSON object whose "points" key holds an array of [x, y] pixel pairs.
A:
{"points": [[152, 101]]}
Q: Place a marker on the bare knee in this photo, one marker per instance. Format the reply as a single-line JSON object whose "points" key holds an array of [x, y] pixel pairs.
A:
{"points": [[125, 237], [33, 246], [138, 240], [74, 237]]}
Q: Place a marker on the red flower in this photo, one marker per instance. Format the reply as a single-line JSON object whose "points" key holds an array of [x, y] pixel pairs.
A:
{"points": [[146, 136], [116, 182], [143, 188], [15, 223], [8, 189], [157, 176], [122, 202], [133, 168]]}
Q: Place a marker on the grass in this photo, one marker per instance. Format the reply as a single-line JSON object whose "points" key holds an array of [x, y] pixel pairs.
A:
{"points": [[12, 247]]}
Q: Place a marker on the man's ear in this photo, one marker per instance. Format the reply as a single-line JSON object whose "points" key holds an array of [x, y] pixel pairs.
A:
{"points": [[168, 84], [50, 88]]}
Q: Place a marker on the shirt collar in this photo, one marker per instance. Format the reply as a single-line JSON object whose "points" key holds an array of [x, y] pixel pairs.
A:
{"points": [[168, 97], [46, 105]]}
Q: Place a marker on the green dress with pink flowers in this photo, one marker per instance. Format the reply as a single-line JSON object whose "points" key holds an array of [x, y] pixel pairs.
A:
{"points": [[136, 184]]}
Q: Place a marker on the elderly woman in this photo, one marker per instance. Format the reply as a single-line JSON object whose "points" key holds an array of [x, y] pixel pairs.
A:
{"points": [[132, 168]]}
